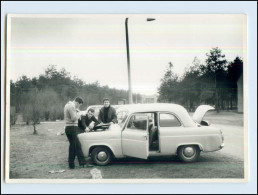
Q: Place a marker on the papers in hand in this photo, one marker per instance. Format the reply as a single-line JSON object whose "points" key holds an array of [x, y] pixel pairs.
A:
{"points": [[103, 125], [91, 125]]}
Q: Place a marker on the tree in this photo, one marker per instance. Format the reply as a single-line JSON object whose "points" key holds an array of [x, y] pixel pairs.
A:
{"points": [[51, 102], [22, 86], [235, 69], [215, 68], [32, 109], [51, 90], [168, 90], [14, 94], [190, 85], [55, 78], [13, 115]]}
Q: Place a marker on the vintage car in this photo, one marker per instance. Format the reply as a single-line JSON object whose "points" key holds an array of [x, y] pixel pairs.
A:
{"points": [[146, 130]]}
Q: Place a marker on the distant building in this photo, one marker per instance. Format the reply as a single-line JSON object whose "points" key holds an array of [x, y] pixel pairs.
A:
{"points": [[240, 94], [121, 102], [149, 99]]}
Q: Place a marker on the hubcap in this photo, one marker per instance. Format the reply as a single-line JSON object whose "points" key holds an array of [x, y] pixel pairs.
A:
{"points": [[189, 152], [102, 156]]}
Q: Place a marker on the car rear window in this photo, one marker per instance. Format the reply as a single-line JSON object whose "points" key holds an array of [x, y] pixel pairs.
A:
{"points": [[168, 120]]}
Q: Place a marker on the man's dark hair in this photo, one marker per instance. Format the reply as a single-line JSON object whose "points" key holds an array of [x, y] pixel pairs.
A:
{"points": [[79, 100], [106, 99], [92, 110]]}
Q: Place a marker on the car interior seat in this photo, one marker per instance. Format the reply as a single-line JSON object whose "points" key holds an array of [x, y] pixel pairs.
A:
{"points": [[153, 140], [150, 133]]}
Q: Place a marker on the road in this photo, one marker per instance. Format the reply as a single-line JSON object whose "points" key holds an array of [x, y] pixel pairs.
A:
{"points": [[232, 127]]}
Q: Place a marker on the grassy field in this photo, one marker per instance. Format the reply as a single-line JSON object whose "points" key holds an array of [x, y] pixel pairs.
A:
{"points": [[33, 156]]}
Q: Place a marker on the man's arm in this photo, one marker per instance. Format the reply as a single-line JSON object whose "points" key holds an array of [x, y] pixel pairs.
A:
{"points": [[74, 114], [83, 124], [100, 116], [95, 120], [114, 117]]}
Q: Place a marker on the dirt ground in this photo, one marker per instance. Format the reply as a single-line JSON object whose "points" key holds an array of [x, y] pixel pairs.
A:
{"points": [[33, 156]]}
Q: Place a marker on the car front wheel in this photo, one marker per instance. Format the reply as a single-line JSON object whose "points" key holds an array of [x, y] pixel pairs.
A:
{"points": [[189, 153], [101, 156]]}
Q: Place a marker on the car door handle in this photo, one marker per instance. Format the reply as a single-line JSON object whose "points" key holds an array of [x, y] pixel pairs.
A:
{"points": [[145, 136]]}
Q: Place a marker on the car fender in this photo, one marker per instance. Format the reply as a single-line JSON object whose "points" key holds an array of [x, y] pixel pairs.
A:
{"points": [[113, 150], [191, 143]]}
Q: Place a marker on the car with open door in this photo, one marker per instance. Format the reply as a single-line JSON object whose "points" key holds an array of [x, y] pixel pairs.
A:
{"points": [[146, 130]]}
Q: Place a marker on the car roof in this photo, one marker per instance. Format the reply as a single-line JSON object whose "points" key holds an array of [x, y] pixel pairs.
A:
{"points": [[100, 106], [152, 107], [178, 110], [94, 106]]}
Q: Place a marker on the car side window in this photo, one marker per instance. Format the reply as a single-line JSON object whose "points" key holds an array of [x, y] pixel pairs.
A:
{"points": [[168, 120], [138, 122]]}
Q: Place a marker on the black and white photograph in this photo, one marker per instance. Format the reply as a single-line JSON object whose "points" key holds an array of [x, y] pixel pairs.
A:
{"points": [[126, 98]]}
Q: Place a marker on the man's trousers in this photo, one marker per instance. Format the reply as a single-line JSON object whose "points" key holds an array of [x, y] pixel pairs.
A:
{"points": [[75, 146]]}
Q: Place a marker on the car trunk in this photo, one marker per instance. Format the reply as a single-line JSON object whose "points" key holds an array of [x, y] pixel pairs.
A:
{"points": [[200, 112]]}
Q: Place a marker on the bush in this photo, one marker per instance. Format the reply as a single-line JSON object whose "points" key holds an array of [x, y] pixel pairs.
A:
{"points": [[13, 118]]}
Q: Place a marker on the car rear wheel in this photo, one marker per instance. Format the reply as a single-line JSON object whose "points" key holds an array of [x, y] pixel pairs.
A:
{"points": [[189, 153], [101, 156]]}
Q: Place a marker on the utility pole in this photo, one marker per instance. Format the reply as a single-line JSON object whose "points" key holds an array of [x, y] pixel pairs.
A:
{"points": [[130, 96]]}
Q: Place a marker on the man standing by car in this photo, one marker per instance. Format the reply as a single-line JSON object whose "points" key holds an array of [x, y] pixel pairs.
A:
{"points": [[86, 121], [107, 113], [71, 116]]}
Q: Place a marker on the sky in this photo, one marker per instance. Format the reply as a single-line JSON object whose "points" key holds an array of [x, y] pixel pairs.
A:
{"points": [[93, 47]]}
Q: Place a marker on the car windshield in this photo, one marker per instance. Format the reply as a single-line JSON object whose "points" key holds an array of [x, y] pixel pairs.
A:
{"points": [[121, 117]]}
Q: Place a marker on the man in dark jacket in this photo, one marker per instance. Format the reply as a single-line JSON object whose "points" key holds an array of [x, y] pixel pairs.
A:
{"points": [[107, 113], [86, 121]]}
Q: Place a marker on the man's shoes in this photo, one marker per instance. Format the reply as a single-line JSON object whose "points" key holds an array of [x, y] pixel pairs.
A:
{"points": [[71, 166], [89, 165], [86, 165]]}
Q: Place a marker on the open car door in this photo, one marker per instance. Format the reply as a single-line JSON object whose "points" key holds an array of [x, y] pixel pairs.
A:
{"points": [[200, 112], [135, 136]]}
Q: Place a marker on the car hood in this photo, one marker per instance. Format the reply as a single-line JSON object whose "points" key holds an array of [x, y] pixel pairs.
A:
{"points": [[114, 131], [200, 112]]}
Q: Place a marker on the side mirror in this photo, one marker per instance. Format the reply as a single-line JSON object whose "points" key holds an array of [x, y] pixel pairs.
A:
{"points": [[205, 123]]}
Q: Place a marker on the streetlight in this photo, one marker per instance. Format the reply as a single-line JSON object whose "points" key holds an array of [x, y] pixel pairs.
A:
{"points": [[130, 98]]}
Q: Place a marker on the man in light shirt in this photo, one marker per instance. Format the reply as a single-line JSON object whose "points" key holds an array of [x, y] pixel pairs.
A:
{"points": [[71, 116]]}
